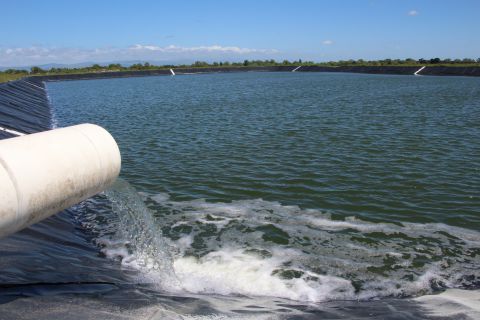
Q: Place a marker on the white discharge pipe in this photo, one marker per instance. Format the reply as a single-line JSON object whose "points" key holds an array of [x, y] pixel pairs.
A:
{"points": [[44, 173]]}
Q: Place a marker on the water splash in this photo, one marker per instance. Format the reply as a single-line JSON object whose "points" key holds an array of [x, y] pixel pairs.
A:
{"points": [[304, 254], [137, 240], [263, 248]]}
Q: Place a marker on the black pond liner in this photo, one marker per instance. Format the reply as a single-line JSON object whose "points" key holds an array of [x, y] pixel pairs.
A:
{"points": [[55, 253], [24, 106]]}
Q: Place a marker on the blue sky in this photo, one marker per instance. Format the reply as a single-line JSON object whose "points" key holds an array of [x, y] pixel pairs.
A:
{"points": [[54, 31]]}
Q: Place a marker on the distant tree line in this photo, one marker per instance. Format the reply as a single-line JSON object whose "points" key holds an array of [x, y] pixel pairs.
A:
{"points": [[404, 62], [16, 73]]}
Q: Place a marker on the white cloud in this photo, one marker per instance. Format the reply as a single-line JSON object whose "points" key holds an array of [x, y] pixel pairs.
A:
{"points": [[214, 48], [413, 13], [22, 56], [327, 42]]}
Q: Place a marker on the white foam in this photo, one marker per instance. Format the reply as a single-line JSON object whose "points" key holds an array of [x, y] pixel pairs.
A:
{"points": [[165, 315], [384, 287], [256, 209], [233, 271], [350, 223], [184, 242], [229, 317], [160, 197], [228, 265], [453, 303]]}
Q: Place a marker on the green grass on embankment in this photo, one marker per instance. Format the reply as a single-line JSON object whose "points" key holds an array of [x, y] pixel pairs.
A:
{"points": [[4, 77]]}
